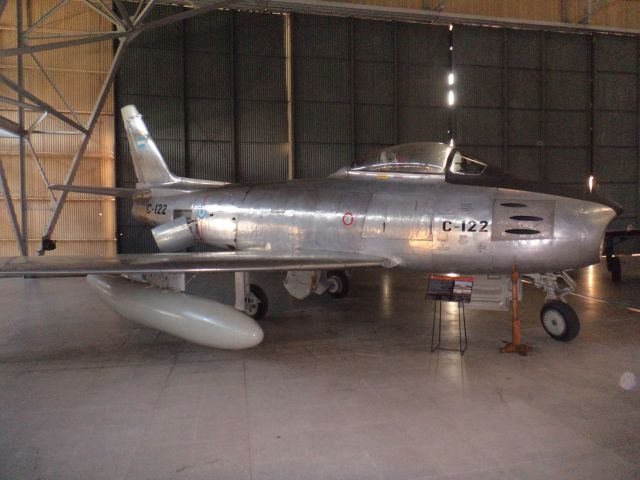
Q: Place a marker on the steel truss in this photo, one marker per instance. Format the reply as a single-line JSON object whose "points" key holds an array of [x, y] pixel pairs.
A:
{"points": [[31, 40]]}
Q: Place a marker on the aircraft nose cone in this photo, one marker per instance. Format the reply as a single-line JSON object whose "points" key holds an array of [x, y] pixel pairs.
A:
{"points": [[601, 199]]}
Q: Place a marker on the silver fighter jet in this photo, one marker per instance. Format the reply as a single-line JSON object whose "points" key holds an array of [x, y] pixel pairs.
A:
{"points": [[420, 206]]}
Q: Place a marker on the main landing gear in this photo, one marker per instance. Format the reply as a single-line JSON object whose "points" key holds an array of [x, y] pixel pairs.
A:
{"points": [[250, 298], [338, 283], [256, 303], [558, 318]]}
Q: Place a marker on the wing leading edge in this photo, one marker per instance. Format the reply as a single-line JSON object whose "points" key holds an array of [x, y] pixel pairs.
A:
{"points": [[185, 263]]}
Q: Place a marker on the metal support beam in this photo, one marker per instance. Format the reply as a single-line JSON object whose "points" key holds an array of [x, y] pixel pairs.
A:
{"points": [[352, 87], [505, 100], [44, 16], [564, 11], [142, 12], [22, 174], [104, 92], [592, 103], [374, 12], [16, 103], [126, 30], [396, 95], [591, 10], [452, 66], [124, 14], [41, 171], [104, 12], [53, 85], [178, 17], [288, 45], [542, 131], [8, 52], [4, 187], [10, 126], [235, 124], [44, 106], [637, 219]]}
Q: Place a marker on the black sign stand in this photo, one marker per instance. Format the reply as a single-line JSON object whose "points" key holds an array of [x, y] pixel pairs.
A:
{"points": [[462, 329], [449, 289]]}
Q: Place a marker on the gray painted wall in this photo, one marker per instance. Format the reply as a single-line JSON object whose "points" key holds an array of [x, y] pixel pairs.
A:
{"points": [[545, 106]]}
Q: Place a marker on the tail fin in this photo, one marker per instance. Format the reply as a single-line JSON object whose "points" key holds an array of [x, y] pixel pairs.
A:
{"points": [[151, 169]]}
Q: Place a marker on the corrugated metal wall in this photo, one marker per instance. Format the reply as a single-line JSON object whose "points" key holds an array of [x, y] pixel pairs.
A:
{"points": [[152, 78], [212, 91], [616, 121], [87, 223], [322, 94], [214, 94], [552, 107]]}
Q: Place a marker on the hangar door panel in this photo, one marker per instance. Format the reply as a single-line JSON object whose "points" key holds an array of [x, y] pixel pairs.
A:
{"points": [[391, 217]]}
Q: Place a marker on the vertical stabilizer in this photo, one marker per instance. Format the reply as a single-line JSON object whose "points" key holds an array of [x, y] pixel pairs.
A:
{"points": [[149, 165]]}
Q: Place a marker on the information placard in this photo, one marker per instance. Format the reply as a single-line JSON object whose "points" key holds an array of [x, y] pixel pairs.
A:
{"points": [[450, 289]]}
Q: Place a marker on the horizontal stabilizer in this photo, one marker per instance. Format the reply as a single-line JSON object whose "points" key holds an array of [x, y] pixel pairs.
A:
{"points": [[107, 191], [186, 262]]}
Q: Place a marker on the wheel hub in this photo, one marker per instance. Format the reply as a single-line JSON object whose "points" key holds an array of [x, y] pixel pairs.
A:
{"points": [[334, 284], [554, 322], [251, 304]]}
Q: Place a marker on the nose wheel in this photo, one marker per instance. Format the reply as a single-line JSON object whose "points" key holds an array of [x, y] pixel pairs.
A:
{"points": [[560, 321], [558, 318]]}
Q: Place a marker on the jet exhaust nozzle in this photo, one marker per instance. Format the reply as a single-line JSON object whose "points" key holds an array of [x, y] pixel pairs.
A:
{"points": [[195, 319], [174, 236]]}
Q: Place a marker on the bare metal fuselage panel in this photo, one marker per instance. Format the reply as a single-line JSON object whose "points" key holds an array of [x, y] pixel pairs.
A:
{"points": [[415, 221]]}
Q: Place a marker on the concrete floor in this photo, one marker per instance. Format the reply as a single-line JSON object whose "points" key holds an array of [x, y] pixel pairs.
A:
{"points": [[339, 389]]}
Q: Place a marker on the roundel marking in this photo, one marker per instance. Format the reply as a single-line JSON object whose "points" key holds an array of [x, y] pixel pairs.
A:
{"points": [[348, 219]]}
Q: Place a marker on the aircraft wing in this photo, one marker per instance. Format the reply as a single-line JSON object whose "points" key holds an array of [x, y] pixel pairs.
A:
{"points": [[186, 262]]}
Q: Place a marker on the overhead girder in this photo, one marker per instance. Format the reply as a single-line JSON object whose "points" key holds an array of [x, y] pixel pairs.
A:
{"points": [[126, 29]]}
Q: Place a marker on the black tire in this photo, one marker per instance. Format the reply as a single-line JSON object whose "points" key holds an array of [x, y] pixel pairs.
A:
{"points": [[615, 268], [560, 321], [338, 283], [259, 310]]}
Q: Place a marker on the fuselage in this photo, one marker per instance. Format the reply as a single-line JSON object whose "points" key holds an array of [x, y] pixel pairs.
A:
{"points": [[415, 221]]}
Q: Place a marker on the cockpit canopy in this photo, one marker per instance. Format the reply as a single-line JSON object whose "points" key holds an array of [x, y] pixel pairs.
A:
{"points": [[419, 158]]}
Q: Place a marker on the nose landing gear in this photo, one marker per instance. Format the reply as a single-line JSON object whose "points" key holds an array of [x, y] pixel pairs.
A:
{"points": [[558, 318]]}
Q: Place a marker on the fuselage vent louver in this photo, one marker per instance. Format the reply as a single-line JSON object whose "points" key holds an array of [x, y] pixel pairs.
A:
{"points": [[514, 205], [527, 218], [522, 231]]}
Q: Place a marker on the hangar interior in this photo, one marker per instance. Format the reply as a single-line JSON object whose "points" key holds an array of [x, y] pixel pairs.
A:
{"points": [[546, 106], [256, 93]]}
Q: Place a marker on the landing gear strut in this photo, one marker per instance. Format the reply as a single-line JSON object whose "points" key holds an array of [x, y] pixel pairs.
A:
{"points": [[250, 298], [558, 318]]}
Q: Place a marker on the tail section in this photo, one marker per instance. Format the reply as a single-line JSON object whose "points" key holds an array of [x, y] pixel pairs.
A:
{"points": [[150, 167]]}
